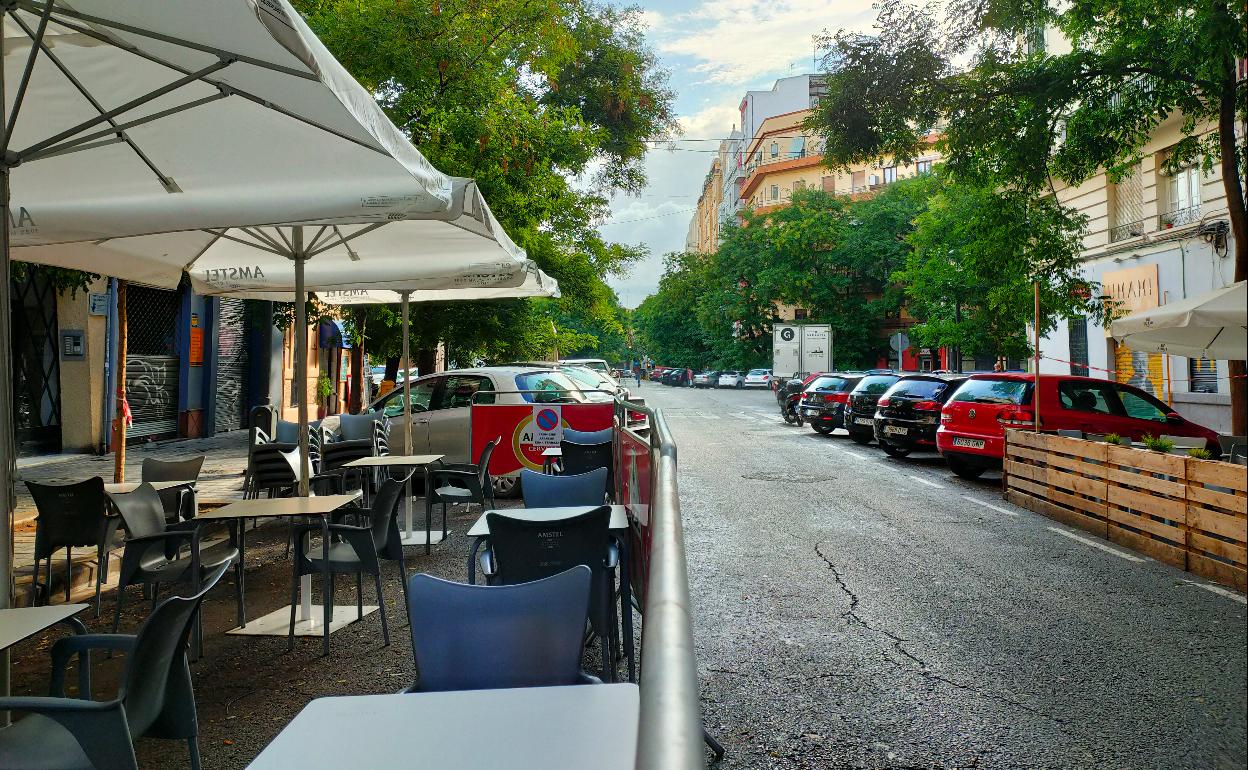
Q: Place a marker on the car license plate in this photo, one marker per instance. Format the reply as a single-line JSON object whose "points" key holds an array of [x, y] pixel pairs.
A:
{"points": [[864, 421], [969, 443], [896, 430]]}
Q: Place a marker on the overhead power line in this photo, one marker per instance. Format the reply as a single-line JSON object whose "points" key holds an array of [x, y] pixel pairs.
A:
{"points": [[644, 219]]}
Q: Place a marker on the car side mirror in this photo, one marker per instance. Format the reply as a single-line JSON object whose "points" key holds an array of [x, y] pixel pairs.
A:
{"points": [[1174, 418]]}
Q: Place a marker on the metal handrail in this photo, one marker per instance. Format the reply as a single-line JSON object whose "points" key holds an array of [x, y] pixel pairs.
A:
{"points": [[669, 735]]}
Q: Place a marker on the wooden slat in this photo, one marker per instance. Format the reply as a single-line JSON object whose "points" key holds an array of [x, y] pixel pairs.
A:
{"points": [[1078, 484], [1157, 549], [1230, 551], [1066, 516], [1218, 474], [1226, 574], [1092, 450], [1026, 438], [1095, 507], [1077, 465], [1214, 499], [1147, 524], [1175, 510], [1171, 465], [1166, 487], [1017, 452], [1218, 523], [1032, 472], [1028, 486]]}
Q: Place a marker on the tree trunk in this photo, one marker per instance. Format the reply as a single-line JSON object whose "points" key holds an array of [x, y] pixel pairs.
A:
{"points": [[392, 370], [426, 360], [1239, 228]]}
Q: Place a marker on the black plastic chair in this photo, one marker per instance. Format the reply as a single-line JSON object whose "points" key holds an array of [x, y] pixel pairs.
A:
{"points": [[155, 699], [70, 515], [484, 637], [358, 550], [542, 490], [466, 483], [588, 436], [523, 551], [147, 558], [179, 501], [582, 458]]}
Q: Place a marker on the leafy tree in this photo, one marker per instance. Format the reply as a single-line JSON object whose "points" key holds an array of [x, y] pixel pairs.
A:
{"points": [[1017, 116], [667, 321]]}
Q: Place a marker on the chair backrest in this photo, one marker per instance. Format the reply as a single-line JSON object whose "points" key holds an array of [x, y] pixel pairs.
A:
{"points": [[172, 470], [142, 510], [381, 438], [587, 436], [531, 550], [582, 458], [354, 427], [336, 454], [1239, 453], [270, 466], [383, 518], [287, 432], [542, 490], [483, 464], [69, 514], [1228, 443], [1071, 433], [159, 655], [468, 637]]}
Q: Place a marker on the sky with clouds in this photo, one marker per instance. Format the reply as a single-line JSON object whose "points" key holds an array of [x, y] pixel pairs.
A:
{"points": [[715, 50]]}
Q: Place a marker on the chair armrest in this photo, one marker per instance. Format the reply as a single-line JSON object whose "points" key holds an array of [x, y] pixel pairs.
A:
{"points": [[301, 529], [488, 567], [446, 473], [190, 535], [613, 556], [583, 678], [99, 726], [81, 645]]}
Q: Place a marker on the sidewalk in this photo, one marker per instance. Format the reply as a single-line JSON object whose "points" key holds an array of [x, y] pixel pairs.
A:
{"points": [[221, 480]]}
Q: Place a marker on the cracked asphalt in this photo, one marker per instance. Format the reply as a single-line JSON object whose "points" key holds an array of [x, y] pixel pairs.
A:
{"points": [[856, 611]]}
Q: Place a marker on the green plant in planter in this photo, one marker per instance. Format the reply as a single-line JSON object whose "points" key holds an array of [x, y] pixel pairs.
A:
{"points": [[1200, 453], [1157, 443], [1112, 438], [324, 388]]}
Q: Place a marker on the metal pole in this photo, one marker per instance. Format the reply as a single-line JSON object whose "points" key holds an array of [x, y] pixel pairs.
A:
{"points": [[119, 428], [8, 464], [1035, 398], [301, 360], [407, 417]]}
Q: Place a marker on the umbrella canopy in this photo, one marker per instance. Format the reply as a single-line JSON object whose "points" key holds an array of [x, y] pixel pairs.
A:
{"points": [[536, 284], [133, 117], [1213, 325]]}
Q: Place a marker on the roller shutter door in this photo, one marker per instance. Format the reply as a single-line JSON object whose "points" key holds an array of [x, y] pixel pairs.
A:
{"points": [[232, 365], [152, 361], [1141, 369]]}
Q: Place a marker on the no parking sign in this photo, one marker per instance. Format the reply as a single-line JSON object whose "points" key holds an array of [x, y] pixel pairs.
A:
{"points": [[547, 425]]}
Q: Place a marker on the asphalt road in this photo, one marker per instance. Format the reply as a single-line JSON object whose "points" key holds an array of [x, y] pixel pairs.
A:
{"points": [[855, 611]]}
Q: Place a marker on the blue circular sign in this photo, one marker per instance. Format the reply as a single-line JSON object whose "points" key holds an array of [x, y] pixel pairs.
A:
{"points": [[547, 419]]}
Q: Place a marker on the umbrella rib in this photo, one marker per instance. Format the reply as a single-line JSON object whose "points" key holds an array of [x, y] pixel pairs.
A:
{"points": [[260, 235], [37, 39], [343, 239], [123, 27], [261, 101], [82, 89], [290, 247], [316, 239], [216, 236], [250, 244], [130, 105]]}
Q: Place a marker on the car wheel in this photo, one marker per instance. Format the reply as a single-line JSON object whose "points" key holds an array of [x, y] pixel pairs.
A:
{"points": [[894, 451], [506, 487], [822, 428], [861, 438], [963, 469]]}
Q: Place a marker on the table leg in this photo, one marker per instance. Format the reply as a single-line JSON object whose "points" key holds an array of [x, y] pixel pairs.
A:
{"points": [[241, 542], [626, 608]]}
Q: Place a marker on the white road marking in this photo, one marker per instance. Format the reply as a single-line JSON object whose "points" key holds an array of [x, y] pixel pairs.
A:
{"points": [[1219, 590], [996, 508], [1095, 544], [854, 454], [922, 480]]}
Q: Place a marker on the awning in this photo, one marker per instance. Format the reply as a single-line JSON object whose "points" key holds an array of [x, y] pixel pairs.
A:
{"points": [[1213, 325]]}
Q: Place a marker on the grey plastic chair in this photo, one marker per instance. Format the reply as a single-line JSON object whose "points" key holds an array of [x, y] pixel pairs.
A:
{"points": [[1071, 433], [148, 559], [179, 502], [542, 490], [468, 637], [70, 515], [155, 699], [468, 483], [588, 436]]}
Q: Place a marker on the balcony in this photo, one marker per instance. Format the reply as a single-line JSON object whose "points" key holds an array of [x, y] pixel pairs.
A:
{"points": [[1127, 231], [1178, 218]]}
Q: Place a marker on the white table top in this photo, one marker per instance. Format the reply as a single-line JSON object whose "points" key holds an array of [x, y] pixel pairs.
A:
{"points": [[126, 487], [264, 507], [24, 622], [553, 451], [386, 461], [619, 516], [534, 728]]}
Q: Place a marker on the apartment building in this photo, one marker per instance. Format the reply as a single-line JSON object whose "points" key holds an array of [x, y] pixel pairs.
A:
{"points": [[706, 217]]}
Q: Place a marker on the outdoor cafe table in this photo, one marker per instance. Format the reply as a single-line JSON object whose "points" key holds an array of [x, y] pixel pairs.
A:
{"points": [[534, 728], [276, 623], [126, 487], [619, 523], [404, 461], [549, 455], [21, 623]]}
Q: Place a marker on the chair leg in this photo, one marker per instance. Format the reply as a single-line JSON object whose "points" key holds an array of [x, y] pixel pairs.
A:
{"points": [[101, 568], [327, 586], [716, 748], [69, 571], [403, 582], [359, 596], [121, 597], [428, 520], [34, 584], [443, 520], [193, 744], [47, 583], [155, 594], [381, 604], [294, 600]]}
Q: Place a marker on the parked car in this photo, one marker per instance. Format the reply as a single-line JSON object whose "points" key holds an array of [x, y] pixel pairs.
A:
{"points": [[823, 403], [973, 422], [731, 380], [908, 414], [597, 364], [860, 408], [707, 379], [679, 378], [758, 378], [440, 413]]}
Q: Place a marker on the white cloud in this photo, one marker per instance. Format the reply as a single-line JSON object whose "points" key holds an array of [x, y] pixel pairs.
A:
{"points": [[715, 120], [736, 41]]}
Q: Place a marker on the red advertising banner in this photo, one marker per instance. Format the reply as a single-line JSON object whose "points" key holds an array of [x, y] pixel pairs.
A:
{"points": [[634, 489], [527, 429]]}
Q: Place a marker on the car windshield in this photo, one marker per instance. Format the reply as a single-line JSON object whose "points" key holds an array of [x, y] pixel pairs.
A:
{"points": [[754, 372], [827, 383], [582, 376], [548, 388], [875, 384], [923, 389], [989, 391]]}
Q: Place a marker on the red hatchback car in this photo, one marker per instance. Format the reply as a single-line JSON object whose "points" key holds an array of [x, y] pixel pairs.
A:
{"points": [[971, 436]]}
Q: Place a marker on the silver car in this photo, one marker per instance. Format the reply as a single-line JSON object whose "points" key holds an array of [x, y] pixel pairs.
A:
{"points": [[731, 380]]}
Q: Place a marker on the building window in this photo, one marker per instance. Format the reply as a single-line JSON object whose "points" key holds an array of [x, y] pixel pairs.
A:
{"points": [[1035, 40], [829, 184], [799, 185], [775, 149], [1077, 331], [923, 167], [800, 314], [890, 174], [858, 180], [1203, 374], [775, 192], [1182, 202], [1126, 208]]}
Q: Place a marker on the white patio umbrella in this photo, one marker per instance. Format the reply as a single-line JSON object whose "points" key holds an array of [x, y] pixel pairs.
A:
{"points": [[124, 117], [1213, 325]]}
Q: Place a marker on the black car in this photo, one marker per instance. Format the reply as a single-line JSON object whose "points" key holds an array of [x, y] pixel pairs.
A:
{"points": [[823, 403], [908, 413], [678, 378], [860, 411]]}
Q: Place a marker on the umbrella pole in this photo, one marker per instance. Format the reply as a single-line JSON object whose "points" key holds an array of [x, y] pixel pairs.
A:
{"points": [[301, 360], [1035, 399], [119, 427], [7, 444], [407, 415]]}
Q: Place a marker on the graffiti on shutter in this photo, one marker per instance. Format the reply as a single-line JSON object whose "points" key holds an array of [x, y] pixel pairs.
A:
{"points": [[232, 364], [152, 390], [1141, 369]]}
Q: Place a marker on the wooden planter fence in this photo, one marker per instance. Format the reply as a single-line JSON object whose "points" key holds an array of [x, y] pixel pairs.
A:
{"points": [[1189, 513]]}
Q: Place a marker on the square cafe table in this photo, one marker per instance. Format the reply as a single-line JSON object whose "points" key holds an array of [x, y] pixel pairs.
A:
{"points": [[21, 623], [404, 461], [277, 623], [532, 728], [126, 487]]}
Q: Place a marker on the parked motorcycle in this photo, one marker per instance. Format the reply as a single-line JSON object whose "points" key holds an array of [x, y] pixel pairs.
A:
{"points": [[789, 397]]}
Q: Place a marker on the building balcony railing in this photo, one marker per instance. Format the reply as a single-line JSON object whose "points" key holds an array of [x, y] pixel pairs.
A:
{"points": [[1162, 222], [1178, 218], [1127, 231]]}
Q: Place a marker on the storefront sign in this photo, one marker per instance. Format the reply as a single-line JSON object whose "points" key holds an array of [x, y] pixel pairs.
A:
{"points": [[97, 304], [195, 356], [1131, 289]]}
